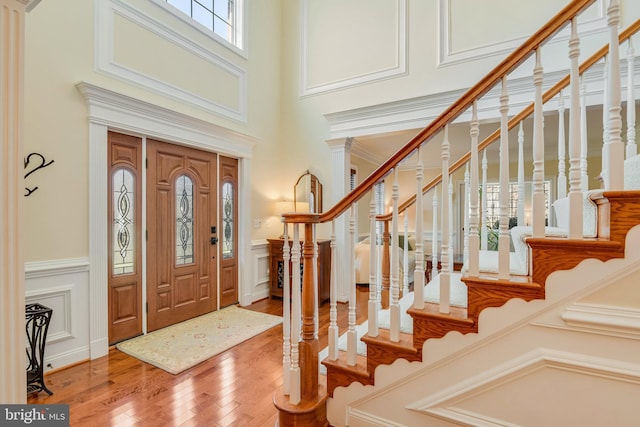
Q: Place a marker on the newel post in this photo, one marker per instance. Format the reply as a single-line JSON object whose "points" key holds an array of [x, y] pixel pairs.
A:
{"points": [[311, 409]]}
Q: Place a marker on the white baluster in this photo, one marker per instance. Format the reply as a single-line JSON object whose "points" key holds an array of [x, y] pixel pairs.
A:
{"points": [[632, 148], [616, 147], [484, 233], [575, 193], [562, 176], [504, 240], [296, 313], [435, 248], [394, 308], [405, 255], [352, 334], [333, 310], [418, 274], [286, 309], [521, 189], [452, 242], [445, 272], [538, 208], [605, 122], [474, 239], [316, 317], [466, 209], [584, 177], [373, 262]]}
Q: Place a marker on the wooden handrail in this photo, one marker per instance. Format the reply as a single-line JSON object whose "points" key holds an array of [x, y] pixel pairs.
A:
{"points": [[511, 62], [526, 112]]}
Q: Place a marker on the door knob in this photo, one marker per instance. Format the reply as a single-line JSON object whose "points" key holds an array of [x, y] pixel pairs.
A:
{"points": [[214, 240]]}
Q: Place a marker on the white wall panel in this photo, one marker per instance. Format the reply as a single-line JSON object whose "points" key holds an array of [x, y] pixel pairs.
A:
{"points": [[63, 286], [135, 47], [348, 43]]}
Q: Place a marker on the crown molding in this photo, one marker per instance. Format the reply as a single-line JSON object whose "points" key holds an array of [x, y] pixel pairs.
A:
{"points": [[115, 110]]}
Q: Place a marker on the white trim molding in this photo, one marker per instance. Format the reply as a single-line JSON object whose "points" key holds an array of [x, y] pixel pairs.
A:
{"points": [[105, 62], [604, 319], [62, 293], [447, 56], [416, 113], [398, 69], [241, 32], [50, 268], [444, 404], [108, 110]]}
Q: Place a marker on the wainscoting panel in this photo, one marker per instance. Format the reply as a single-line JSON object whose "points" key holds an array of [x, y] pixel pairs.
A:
{"points": [[260, 267], [63, 286]]}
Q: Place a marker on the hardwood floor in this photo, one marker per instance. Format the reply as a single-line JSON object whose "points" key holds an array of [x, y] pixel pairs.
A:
{"points": [[234, 388]]}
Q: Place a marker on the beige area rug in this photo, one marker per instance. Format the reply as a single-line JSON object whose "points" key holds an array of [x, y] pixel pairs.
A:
{"points": [[181, 346]]}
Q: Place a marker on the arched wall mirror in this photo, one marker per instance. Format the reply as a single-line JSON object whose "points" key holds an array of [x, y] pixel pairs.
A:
{"points": [[307, 194]]}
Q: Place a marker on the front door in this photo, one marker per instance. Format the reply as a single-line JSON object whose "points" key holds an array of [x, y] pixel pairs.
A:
{"points": [[181, 220]]}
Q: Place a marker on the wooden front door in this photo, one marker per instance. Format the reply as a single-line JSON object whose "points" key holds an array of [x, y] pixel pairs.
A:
{"points": [[124, 236], [229, 231], [181, 216]]}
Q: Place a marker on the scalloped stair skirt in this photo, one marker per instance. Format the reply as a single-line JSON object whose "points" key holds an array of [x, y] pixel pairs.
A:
{"points": [[184, 345]]}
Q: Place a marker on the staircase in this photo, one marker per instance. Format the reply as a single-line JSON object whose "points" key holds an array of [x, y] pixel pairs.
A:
{"points": [[436, 374]]}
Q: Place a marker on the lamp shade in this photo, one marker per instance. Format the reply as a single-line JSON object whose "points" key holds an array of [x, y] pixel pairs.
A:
{"points": [[282, 206]]}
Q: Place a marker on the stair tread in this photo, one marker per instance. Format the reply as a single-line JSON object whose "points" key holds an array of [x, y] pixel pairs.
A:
{"points": [[405, 344], [432, 310], [358, 370], [491, 279]]}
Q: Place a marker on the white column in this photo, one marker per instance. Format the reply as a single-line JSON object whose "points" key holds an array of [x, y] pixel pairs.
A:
{"points": [[98, 309], [352, 334], [474, 239], [632, 148], [12, 318], [575, 193], [286, 314], [418, 274], [373, 269], [435, 249], [405, 255], [445, 271], [464, 203], [394, 308], [538, 208], [296, 317], [584, 177], [605, 121], [333, 310], [504, 241], [521, 189], [616, 146], [484, 234], [340, 175], [562, 175]]}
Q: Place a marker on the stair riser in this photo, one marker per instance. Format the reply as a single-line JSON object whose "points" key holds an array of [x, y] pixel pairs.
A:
{"points": [[382, 355], [337, 377], [480, 298], [426, 328]]}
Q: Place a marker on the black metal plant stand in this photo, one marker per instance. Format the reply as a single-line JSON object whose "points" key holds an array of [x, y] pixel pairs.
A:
{"points": [[38, 317]]}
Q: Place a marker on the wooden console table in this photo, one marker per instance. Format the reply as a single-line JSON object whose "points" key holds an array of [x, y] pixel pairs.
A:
{"points": [[276, 269]]}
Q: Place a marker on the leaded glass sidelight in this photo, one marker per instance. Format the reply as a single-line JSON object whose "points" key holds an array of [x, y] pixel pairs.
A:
{"points": [[184, 220], [123, 227], [227, 221]]}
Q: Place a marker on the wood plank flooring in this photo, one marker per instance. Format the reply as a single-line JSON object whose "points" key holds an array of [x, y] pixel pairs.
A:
{"points": [[234, 388]]}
